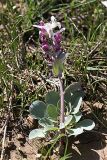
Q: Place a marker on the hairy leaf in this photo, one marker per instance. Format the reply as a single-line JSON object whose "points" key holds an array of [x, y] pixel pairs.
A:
{"points": [[37, 133], [86, 124], [52, 112], [45, 122], [51, 128], [37, 109], [58, 67], [77, 116], [72, 92], [69, 119], [52, 97], [76, 105], [75, 131]]}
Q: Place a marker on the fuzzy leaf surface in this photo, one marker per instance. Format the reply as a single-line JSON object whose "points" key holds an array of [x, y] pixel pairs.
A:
{"points": [[37, 133], [45, 122], [76, 105], [58, 67], [75, 131], [77, 116], [52, 97], [52, 112], [86, 124], [72, 92], [37, 109], [51, 128]]}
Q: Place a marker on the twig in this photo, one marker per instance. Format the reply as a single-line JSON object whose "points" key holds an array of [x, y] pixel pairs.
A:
{"points": [[6, 123], [1, 130], [4, 138]]}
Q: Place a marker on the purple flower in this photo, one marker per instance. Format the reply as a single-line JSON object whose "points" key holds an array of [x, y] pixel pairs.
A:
{"points": [[45, 47], [50, 40]]}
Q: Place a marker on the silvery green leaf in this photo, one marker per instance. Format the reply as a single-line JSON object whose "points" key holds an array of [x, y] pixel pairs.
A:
{"points": [[86, 124], [68, 119], [73, 92], [37, 109], [51, 128], [37, 133], [77, 116], [69, 108], [52, 112], [95, 69], [75, 131], [45, 122], [76, 105], [52, 97], [61, 56], [62, 125], [58, 67]]}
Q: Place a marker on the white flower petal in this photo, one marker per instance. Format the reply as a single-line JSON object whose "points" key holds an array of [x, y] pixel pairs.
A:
{"points": [[50, 26], [38, 26], [49, 29], [54, 22]]}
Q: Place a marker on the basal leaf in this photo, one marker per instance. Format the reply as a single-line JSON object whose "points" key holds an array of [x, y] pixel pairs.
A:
{"points": [[77, 116], [52, 97], [76, 105], [37, 109], [68, 119], [86, 124], [62, 125], [51, 128], [75, 131], [72, 92], [45, 122], [37, 133], [52, 112]]}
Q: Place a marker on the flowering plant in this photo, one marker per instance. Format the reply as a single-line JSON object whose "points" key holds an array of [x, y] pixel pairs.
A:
{"points": [[61, 111]]}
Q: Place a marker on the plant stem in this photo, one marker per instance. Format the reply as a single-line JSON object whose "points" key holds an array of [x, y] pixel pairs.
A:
{"points": [[62, 131], [62, 101]]}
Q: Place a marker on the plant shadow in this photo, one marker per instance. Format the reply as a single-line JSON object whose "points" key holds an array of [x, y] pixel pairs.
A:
{"points": [[88, 146]]}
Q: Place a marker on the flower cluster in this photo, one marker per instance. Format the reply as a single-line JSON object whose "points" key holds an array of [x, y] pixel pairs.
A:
{"points": [[50, 40]]}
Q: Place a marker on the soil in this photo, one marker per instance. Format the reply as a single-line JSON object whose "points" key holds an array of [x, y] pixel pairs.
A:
{"points": [[88, 146], [92, 146]]}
